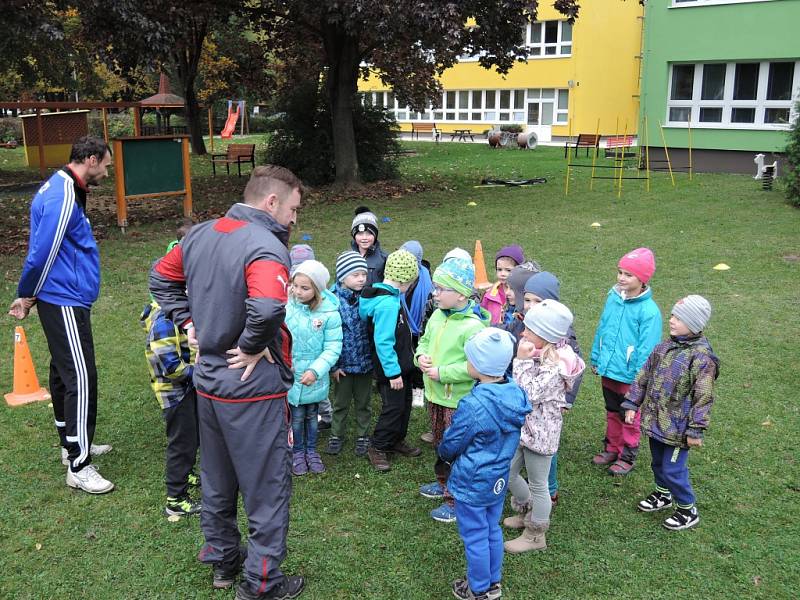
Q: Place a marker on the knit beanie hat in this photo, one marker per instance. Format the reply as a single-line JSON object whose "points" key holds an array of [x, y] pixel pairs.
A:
{"points": [[316, 272], [415, 248], [545, 285], [457, 274], [457, 253], [349, 262], [641, 262], [549, 319], [490, 350], [401, 266], [365, 220], [298, 254], [694, 311], [514, 252], [518, 278]]}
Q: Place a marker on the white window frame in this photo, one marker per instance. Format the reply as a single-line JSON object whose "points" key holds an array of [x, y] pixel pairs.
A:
{"points": [[541, 46], [441, 114], [760, 104]]}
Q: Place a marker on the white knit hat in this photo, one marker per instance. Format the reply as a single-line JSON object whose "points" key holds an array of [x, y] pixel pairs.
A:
{"points": [[694, 311], [316, 272], [549, 319]]}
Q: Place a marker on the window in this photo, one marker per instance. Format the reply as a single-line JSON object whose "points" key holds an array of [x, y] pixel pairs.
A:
{"points": [[534, 106], [549, 38], [754, 95]]}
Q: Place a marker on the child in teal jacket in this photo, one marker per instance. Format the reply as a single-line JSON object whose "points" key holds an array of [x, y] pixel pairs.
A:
{"points": [[629, 329], [312, 316]]}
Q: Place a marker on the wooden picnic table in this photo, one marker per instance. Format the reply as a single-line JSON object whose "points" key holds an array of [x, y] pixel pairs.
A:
{"points": [[461, 134]]}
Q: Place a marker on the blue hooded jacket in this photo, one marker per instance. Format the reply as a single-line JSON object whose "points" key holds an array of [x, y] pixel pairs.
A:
{"points": [[481, 442]]}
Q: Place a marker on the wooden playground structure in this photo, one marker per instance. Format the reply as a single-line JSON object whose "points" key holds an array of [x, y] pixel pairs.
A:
{"points": [[619, 148]]}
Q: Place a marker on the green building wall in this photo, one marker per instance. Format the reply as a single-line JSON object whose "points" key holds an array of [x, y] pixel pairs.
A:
{"points": [[763, 30]]}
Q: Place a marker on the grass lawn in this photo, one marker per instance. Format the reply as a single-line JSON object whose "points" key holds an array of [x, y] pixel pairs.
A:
{"points": [[358, 534]]}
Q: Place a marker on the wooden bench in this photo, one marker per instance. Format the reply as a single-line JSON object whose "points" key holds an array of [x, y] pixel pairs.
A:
{"points": [[616, 147], [585, 140], [235, 154], [425, 128]]}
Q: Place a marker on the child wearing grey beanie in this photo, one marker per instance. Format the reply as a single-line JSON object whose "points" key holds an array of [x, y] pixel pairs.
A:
{"points": [[674, 392]]}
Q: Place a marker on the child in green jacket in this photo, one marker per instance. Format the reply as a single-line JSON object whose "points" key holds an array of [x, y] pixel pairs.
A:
{"points": [[440, 355]]}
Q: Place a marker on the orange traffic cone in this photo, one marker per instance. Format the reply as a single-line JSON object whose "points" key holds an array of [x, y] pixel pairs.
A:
{"points": [[481, 280], [26, 384]]}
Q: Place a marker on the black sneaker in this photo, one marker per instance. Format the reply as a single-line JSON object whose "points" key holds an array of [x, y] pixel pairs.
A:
{"points": [[334, 445], [682, 518], [225, 573], [462, 591], [658, 500], [362, 445], [181, 506], [323, 425], [290, 587]]}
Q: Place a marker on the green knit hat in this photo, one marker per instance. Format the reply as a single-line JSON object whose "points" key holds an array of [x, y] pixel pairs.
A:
{"points": [[401, 266], [457, 274]]}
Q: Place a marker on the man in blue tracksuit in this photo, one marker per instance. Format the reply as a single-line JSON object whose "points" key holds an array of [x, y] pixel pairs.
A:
{"points": [[61, 275]]}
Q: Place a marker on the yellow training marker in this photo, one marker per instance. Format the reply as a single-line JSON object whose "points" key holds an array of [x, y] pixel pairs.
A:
{"points": [[721, 267]]}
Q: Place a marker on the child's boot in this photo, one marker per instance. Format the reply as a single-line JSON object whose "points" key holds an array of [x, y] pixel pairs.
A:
{"points": [[532, 538], [314, 461], [607, 456], [516, 521], [299, 464]]}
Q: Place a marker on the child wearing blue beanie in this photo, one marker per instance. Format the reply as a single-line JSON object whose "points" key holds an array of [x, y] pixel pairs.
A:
{"points": [[480, 442]]}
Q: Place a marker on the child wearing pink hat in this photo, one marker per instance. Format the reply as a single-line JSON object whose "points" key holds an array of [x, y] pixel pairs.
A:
{"points": [[629, 329]]}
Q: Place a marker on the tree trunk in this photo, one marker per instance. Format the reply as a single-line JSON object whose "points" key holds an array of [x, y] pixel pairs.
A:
{"points": [[194, 122], [343, 61]]}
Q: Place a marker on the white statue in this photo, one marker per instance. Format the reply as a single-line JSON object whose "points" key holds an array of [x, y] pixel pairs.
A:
{"points": [[761, 167]]}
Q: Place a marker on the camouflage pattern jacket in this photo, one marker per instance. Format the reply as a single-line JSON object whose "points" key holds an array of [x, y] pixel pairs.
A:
{"points": [[675, 390]]}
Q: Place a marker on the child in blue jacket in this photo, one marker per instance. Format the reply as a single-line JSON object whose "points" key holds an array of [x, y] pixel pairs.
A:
{"points": [[480, 442], [312, 316], [629, 329]]}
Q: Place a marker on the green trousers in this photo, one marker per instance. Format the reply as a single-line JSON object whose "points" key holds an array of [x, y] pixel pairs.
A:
{"points": [[358, 390]]}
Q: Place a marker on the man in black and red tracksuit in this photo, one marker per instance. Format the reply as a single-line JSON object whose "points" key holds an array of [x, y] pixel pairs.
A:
{"points": [[226, 285]]}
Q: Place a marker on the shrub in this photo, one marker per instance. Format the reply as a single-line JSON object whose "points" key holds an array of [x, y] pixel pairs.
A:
{"points": [[511, 128], [791, 176], [10, 129], [303, 138]]}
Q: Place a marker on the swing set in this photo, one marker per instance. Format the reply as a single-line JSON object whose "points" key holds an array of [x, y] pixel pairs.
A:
{"points": [[617, 148]]}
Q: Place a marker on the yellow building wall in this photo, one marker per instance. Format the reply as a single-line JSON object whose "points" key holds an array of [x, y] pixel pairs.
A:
{"points": [[604, 69]]}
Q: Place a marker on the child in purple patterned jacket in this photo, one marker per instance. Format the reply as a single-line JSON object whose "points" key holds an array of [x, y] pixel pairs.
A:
{"points": [[675, 391]]}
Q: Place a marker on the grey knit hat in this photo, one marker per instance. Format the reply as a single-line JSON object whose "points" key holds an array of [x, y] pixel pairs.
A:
{"points": [[694, 311], [549, 319], [316, 272], [349, 262], [298, 254], [365, 220]]}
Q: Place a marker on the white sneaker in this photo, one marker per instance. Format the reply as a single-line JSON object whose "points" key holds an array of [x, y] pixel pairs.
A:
{"points": [[94, 450], [418, 397], [89, 480]]}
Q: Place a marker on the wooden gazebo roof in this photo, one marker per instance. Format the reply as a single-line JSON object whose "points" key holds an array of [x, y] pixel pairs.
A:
{"points": [[164, 98]]}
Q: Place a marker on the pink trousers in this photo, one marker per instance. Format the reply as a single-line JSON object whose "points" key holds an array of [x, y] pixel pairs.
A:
{"points": [[620, 435]]}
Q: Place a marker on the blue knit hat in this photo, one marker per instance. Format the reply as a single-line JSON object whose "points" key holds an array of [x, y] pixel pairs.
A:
{"points": [[349, 262], [545, 285], [456, 273], [415, 248], [490, 350], [550, 320]]}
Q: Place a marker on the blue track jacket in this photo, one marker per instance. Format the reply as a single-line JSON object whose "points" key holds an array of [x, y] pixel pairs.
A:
{"points": [[63, 263]]}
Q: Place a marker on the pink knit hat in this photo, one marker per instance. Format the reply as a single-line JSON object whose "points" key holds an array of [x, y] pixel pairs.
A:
{"points": [[641, 262]]}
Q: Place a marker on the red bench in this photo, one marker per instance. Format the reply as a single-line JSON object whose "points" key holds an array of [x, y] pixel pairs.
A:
{"points": [[617, 146]]}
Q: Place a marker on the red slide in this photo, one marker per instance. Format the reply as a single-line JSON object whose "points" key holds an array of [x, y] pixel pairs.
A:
{"points": [[230, 124]]}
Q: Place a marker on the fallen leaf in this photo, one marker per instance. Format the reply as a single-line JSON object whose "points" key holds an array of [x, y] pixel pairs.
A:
{"points": [[173, 518], [357, 476], [38, 546], [767, 423], [757, 580]]}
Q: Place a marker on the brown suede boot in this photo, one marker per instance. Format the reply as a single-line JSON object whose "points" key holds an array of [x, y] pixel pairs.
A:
{"points": [[378, 459], [532, 538]]}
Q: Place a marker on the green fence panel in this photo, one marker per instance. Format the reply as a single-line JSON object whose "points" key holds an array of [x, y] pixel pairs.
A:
{"points": [[152, 166]]}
